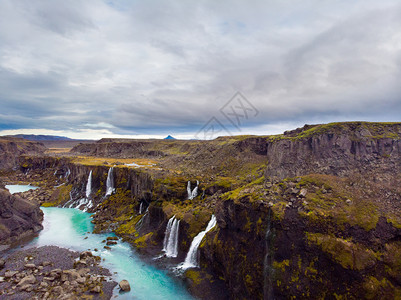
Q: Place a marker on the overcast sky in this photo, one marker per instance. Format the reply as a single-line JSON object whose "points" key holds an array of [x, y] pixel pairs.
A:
{"points": [[91, 69]]}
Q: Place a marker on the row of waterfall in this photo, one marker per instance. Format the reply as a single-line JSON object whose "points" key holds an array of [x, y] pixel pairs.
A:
{"points": [[170, 242], [86, 203], [192, 193]]}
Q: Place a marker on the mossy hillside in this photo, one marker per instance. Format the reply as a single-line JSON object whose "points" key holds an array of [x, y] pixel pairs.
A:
{"points": [[373, 130], [351, 201], [60, 196], [348, 254]]}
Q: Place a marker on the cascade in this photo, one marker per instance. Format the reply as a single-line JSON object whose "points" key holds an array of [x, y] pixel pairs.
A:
{"points": [[192, 257], [141, 208], [192, 194], [89, 185], [110, 183], [170, 242]]}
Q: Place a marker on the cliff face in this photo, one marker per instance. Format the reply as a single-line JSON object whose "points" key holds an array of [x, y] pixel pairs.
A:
{"points": [[307, 239], [336, 149], [18, 218], [12, 148]]}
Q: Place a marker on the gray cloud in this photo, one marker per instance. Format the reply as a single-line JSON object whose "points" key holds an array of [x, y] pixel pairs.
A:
{"points": [[158, 66]]}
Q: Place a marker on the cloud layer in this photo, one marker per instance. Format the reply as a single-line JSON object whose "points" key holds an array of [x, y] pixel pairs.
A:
{"points": [[159, 67]]}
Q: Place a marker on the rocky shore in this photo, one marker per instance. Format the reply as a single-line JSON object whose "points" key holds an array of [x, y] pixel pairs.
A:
{"points": [[51, 272]]}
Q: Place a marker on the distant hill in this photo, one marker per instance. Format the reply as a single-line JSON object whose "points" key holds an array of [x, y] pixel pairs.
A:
{"points": [[34, 137], [169, 137]]}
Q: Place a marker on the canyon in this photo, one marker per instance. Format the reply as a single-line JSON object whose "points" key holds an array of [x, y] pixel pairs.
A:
{"points": [[309, 214]]}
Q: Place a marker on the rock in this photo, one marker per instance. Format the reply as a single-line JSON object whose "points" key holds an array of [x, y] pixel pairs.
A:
{"points": [[30, 279], [30, 266], [112, 238], [81, 280], [110, 243], [85, 254], [83, 271], [348, 201], [96, 289], [2, 263], [124, 286], [303, 192], [26, 287], [72, 274], [49, 278], [58, 290], [80, 263], [10, 274], [107, 247], [19, 217], [2, 279]]}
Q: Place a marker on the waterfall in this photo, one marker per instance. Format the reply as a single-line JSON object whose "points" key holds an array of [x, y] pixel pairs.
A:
{"points": [[189, 189], [192, 194], [141, 208], [89, 185], [110, 183], [142, 221], [85, 203], [170, 242], [267, 268], [67, 173], [191, 260]]}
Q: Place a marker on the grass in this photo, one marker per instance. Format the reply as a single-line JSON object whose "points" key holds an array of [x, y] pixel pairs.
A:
{"points": [[117, 162]]}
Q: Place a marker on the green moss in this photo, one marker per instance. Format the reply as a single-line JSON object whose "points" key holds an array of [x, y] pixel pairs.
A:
{"points": [[143, 241], [59, 196], [194, 276], [348, 254], [376, 289], [282, 265]]}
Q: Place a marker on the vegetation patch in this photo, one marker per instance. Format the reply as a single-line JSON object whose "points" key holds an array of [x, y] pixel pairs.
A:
{"points": [[349, 255]]}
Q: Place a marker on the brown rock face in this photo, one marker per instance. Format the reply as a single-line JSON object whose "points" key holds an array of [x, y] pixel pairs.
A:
{"points": [[12, 148], [336, 149], [18, 217]]}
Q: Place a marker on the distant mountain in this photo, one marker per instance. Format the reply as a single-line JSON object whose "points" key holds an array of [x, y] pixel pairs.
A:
{"points": [[169, 137], [34, 137]]}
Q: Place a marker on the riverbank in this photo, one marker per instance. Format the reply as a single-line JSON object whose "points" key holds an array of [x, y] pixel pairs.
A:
{"points": [[51, 272]]}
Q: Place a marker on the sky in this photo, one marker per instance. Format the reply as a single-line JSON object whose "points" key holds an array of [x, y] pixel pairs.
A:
{"points": [[196, 69]]}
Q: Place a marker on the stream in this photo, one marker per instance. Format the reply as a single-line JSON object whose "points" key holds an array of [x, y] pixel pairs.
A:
{"points": [[71, 228]]}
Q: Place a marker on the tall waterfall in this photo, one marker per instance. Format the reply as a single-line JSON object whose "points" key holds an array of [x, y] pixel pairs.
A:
{"points": [[141, 208], [89, 185], [191, 260], [192, 194], [110, 182], [170, 242]]}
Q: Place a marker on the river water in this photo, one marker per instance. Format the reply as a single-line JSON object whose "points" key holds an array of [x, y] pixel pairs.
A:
{"points": [[71, 228]]}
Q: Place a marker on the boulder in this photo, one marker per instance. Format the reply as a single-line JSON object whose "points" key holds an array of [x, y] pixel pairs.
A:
{"points": [[30, 279], [124, 286]]}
